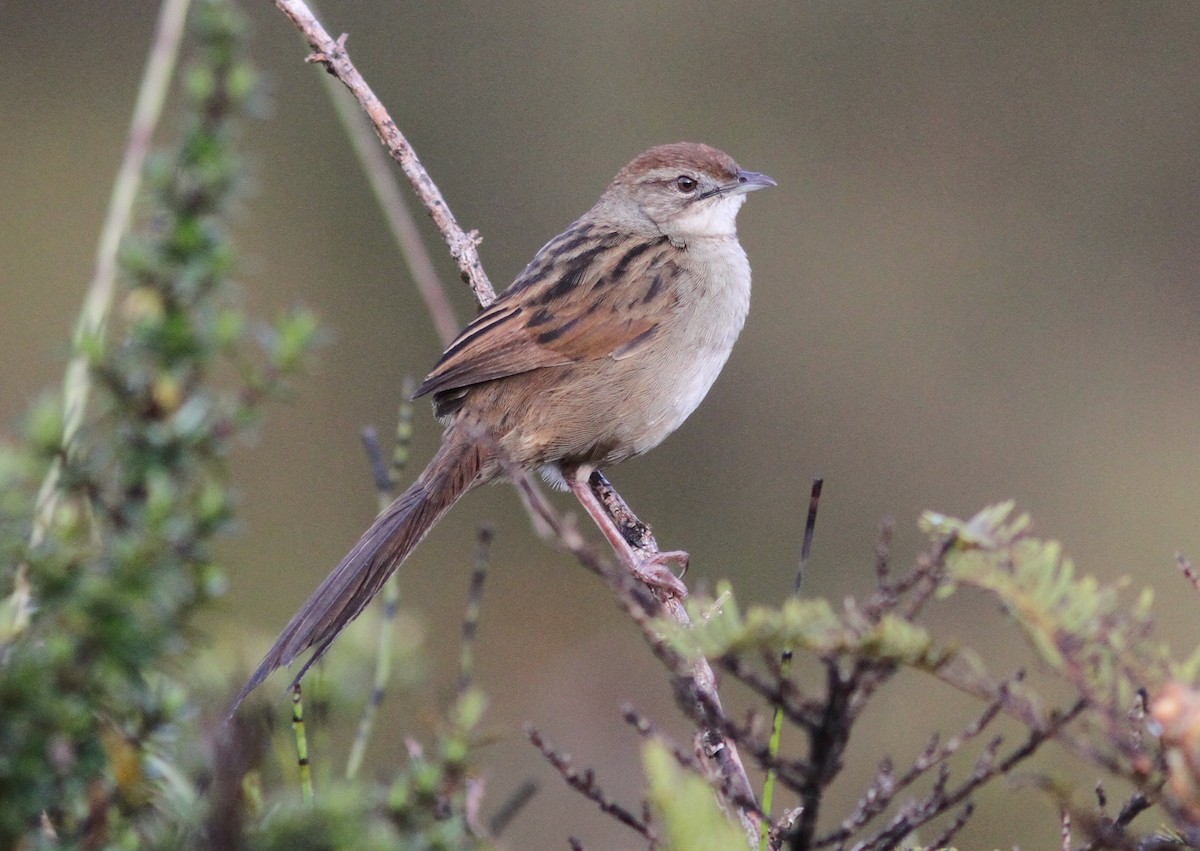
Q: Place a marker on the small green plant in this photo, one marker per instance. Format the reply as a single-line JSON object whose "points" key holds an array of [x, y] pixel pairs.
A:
{"points": [[97, 711]]}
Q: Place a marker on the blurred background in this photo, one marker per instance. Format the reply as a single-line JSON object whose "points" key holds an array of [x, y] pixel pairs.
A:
{"points": [[976, 281]]}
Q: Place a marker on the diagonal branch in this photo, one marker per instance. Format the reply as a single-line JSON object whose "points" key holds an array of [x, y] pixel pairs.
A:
{"points": [[332, 54], [695, 684]]}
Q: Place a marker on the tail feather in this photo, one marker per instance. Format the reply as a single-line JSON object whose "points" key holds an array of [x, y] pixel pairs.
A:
{"points": [[382, 548]]}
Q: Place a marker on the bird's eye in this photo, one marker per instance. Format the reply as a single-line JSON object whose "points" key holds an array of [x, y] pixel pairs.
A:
{"points": [[685, 184]]}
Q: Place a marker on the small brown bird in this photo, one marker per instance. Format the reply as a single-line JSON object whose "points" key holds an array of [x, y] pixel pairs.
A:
{"points": [[601, 347]]}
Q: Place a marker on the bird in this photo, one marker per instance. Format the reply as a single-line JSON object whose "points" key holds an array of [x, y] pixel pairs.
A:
{"points": [[599, 349]]}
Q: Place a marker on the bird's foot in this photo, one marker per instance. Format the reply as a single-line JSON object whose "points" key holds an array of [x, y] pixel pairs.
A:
{"points": [[654, 570]]}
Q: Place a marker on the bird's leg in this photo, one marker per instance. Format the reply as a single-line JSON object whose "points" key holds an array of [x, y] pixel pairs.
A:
{"points": [[629, 537], [637, 533]]}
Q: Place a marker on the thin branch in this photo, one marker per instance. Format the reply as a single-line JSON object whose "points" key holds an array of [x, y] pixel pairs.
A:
{"points": [[1188, 570], [960, 821], [332, 54], [585, 783], [1135, 806], [1111, 833], [509, 809], [380, 474], [883, 551], [886, 786], [646, 729], [986, 767], [810, 526]]}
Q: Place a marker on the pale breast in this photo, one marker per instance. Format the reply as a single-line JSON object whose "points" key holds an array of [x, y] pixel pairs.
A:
{"points": [[605, 410], [672, 377]]}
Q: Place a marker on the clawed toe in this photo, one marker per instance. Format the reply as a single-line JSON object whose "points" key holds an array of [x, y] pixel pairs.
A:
{"points": [[656, 573], [678, 556]]}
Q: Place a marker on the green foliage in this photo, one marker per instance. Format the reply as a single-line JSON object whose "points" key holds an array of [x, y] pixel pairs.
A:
{"points": [[423, 808], [429, 803], [100, 697], [811, 625], [689, 814], [88, 689], [1080, 629], [1083, 634]]}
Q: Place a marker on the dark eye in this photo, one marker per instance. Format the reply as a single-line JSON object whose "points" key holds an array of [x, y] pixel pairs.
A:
{"points": [[685, 184]]}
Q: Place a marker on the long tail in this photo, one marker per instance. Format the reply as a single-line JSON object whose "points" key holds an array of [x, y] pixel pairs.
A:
{"points": [[382, 548]]}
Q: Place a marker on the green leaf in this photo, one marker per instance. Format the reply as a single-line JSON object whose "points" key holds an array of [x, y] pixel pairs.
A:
{"points": [[690, 816]]}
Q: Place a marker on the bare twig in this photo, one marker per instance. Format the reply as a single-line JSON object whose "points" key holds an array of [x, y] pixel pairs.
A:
{"points": [[776, 689], [1188, 570], [585, 783], [960, 821], [1135, 806], [378, 464], [942, 800], [934, 755], [646, 729], [810, 526], [332, 54], [509, 809], [1111, 833], [883, 550]]}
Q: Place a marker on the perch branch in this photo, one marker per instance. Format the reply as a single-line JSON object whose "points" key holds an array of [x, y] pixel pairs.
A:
{"points": [[695, 688], [694, 683]]}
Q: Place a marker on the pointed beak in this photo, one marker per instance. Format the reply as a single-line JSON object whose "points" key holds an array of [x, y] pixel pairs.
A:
{"points": [[748, 181]]}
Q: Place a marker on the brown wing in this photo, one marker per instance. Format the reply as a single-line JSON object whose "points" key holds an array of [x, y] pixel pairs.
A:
{"points": [[564, 308]]}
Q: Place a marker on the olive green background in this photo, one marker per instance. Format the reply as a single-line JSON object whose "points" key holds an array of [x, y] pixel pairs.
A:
{"points": [[976, 280]]}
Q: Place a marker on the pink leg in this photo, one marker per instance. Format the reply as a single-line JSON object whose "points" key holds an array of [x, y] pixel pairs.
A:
{"points": [[652, 569]]}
